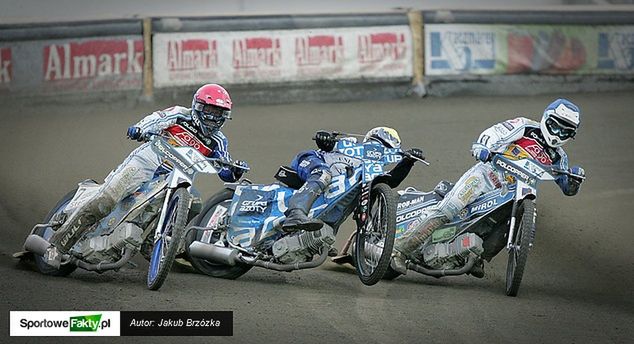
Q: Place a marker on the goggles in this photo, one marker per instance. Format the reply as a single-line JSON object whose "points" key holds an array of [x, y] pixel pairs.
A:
{"points": [[209, 110], [561, 130]]}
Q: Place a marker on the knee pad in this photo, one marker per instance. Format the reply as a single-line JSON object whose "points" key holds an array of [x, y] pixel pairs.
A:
{"points": [[320, 176]]}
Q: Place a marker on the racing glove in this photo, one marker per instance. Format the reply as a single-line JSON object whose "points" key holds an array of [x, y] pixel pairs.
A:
{"points": [[578, 170], [240, 169], [415, 153], [135, 133], [325, 140], [482, 154]]}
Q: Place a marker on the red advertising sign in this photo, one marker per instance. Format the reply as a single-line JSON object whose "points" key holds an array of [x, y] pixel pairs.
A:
{"points": [[95, 64], [191, 58], [319, 54], [381, 47], [6, 69], [186, 57], [192, 54], [256, 55], [256, 52]]}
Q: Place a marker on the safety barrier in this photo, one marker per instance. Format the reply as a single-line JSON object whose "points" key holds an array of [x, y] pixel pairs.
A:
{"points": [[414, 47]]}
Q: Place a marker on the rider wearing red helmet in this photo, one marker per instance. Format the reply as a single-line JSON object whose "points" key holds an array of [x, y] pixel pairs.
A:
{"points": [[197, 127]]}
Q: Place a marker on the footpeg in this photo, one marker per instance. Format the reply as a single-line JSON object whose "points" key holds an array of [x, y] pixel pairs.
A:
{"points": [[398, 264]]}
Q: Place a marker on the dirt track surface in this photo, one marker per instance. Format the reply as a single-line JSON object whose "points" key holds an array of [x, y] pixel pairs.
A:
{"points": [[579, 278]]}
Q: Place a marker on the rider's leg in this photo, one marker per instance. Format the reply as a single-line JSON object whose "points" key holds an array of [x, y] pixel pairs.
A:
{"points": [[478, 180], [300, 203], [136, 169]]}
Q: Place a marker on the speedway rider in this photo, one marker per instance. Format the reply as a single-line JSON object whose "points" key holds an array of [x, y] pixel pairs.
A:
{"points": [[518, 137], [316, 168], [197, 127]]}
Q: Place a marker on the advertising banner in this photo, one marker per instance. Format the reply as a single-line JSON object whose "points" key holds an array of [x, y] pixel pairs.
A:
{"points": [[282, 55], [72, 65], [461, 49], [6, 71], [528, 49]]}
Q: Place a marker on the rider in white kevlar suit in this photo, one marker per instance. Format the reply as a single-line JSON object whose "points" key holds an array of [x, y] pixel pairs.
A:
{"points": [[198, 127], [520, 136]]}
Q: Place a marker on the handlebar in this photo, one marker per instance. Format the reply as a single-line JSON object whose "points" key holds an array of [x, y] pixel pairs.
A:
{"points": [[339, 133], [549, 168], [220, 161], [404, 153]]}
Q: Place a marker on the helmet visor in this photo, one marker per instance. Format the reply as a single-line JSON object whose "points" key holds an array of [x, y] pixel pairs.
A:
{"points": [[211, 116], [560, 129]]}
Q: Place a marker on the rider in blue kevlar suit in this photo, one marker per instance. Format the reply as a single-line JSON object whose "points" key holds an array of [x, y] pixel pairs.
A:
{"points": [[316, 168]]}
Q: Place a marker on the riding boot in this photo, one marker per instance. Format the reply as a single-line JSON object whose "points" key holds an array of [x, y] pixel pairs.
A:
{"points": [[298, 207], [80, 220]]}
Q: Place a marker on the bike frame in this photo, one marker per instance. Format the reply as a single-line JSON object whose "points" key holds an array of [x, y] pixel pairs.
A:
{"points": [[187, 162], [526, 173]]}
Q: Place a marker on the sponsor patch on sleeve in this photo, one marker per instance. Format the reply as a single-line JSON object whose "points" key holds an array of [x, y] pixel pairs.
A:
{"points": [[508, 125]]}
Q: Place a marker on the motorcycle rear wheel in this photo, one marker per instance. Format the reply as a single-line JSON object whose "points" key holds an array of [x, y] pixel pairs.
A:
{"points": [[522, 243], [165, 251], [204, 266], [382, 219], [46, 233]]}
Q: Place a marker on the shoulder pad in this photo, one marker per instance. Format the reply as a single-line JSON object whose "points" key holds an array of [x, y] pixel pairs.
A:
{"points": [[512, 124], [530, 122], [176, 110]]}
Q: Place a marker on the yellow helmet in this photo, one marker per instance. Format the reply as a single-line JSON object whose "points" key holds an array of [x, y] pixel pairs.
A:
{"points": [[386, 136]]}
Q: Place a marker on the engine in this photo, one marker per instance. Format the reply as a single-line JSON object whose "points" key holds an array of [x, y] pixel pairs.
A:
{"points": [[449, 255], [302, 246], [108, 247]]}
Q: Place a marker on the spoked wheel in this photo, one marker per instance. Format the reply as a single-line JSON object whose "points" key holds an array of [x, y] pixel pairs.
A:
{"points": [[221, 199], [166, 246], [373, 245], [47, 233], [518, 254]]}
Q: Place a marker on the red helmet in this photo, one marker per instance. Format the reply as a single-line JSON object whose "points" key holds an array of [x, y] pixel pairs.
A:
{"points": [[211, 106]]}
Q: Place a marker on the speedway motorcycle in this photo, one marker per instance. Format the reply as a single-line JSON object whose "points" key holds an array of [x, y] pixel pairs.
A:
{"points": [[240, 227], [152, 220], [500, 219]]}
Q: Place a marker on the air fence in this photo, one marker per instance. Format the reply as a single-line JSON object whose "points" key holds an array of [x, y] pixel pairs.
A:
{"points": [[412, 49]]}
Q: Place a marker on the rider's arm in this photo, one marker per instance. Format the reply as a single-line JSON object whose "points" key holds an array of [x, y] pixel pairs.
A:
{"points": [[222, 151], [566, 184], [160, 120], [499, 136], [399, 172]]}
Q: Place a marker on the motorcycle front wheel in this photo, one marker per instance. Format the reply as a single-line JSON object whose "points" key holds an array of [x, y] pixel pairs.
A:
{"points": [[522, 243], [166, 246], [373, 244]]}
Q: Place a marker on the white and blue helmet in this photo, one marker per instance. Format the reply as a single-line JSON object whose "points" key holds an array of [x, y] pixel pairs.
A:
{"points": [[560, 122]]}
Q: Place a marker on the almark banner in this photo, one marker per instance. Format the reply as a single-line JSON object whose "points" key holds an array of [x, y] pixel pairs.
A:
{"points": [[72, 65], [282, 55]]}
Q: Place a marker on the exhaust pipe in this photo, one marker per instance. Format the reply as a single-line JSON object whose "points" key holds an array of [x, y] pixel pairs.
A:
{"points": [[440, 273], [213, 253], [37, 244]]}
